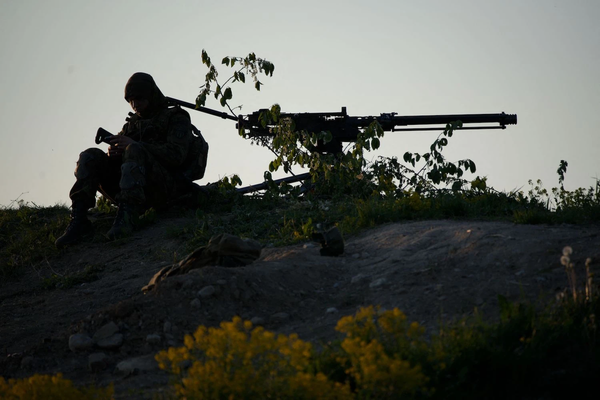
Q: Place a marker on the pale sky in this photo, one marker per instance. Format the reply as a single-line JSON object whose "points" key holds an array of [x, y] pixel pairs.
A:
{"points": [[64, 65]]}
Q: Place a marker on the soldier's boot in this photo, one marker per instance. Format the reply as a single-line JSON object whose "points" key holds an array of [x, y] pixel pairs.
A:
{"points": [[125, 222], [79, 227]]}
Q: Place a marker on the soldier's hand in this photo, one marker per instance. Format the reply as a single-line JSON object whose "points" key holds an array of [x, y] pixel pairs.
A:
{"points": [[118, 143], [132, 117]]}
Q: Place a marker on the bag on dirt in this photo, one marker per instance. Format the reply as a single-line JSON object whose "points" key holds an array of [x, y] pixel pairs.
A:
{"points": [[222, 250], [195, 163]]}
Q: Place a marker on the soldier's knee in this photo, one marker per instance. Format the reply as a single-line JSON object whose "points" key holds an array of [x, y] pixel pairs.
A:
{"points": [[134, 151], [132, 175], [87, 159]]}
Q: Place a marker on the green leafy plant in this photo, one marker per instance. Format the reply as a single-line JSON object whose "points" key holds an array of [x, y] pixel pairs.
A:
{"points": [[348, 171], [104, 205], [331, 173], [341, 173], [436, 169], [250, 65], [559, 204], [561, 171]]}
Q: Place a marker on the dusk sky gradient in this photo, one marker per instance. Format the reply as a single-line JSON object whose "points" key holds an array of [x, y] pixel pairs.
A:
{"points": [[64, 65]]}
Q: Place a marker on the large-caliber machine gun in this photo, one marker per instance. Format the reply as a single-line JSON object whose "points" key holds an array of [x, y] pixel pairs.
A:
{"points": [[345, 128]]}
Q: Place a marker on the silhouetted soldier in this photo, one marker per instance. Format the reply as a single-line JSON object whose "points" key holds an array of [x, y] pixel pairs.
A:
{"points": [[144, 165]]}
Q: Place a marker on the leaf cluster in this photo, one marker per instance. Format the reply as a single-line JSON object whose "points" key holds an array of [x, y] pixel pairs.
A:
{"points": [[250, 65], [436, 169]]}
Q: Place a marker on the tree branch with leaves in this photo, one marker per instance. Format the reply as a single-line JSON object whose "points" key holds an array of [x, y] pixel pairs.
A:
{"points": [[246, 66]]}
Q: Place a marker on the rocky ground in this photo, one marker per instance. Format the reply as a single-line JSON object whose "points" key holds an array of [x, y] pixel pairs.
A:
{"points": [[107, 330]]}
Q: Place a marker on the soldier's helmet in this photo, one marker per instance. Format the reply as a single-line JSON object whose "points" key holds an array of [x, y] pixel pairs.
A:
{"points": [[142, 85]]}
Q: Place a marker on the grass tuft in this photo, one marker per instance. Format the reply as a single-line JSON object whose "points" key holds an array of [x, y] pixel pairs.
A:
{"points": [[27, 235]]}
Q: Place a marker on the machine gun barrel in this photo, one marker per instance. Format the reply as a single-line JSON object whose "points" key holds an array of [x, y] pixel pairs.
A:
{"points": [[501, 119]]}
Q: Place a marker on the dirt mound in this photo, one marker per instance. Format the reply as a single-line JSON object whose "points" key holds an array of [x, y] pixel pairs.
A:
{"points": [[432, 270]]}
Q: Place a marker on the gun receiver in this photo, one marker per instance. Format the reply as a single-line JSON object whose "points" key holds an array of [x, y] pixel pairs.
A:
{"points": [[345, 128]]}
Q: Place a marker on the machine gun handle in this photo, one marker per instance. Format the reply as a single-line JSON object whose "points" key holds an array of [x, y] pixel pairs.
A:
{"points": [[102, 135]]}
